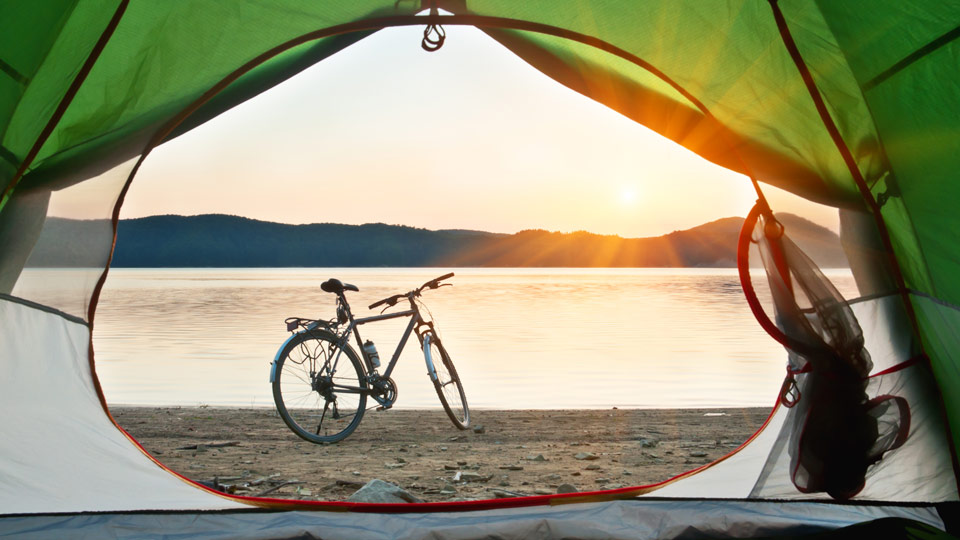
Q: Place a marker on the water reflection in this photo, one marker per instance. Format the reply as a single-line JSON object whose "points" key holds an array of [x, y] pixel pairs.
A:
{"points": [[520, 338]]}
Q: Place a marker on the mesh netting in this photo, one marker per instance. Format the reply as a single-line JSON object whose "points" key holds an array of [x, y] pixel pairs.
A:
{"points": [[835, 430]]}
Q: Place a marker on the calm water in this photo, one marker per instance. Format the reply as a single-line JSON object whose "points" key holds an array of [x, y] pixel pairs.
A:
{"points": [[520, 338]]}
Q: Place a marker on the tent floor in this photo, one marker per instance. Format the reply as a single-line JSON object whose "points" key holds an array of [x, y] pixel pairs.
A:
{"points": [[638, 518]]}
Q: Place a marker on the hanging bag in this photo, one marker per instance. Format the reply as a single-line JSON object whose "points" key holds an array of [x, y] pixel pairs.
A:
{"points": [[833, 423]]}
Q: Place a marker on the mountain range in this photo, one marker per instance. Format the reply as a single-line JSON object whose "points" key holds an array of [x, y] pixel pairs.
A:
{"points": [[217, 240]]}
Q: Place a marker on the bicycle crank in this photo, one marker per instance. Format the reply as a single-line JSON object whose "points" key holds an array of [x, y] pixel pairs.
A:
{"points": [[384, 391]]}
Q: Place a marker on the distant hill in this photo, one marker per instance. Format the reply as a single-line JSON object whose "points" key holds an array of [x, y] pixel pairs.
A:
{"points": [[230, 241]]}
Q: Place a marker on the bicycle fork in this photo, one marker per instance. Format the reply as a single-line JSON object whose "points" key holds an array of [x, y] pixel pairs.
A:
{"points": [[428, 356]]}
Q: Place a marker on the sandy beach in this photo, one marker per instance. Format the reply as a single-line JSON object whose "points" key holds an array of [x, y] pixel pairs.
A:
{"points": [[507, 453]]}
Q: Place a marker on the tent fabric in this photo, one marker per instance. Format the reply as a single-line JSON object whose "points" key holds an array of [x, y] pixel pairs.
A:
{"points": [[716, 77], [60, 452], [620, 519]]}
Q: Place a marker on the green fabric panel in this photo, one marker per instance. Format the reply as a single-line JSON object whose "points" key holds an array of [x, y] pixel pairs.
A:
{"points": [[915, 107], [904, 239], [79, 162], [729, 55], [643, 97], [917, 117], [837, 85], [27, 32], [939, 325], [47, 45], [164, 55]]}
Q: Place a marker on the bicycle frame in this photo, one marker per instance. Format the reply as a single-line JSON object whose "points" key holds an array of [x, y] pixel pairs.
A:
{"points": [[415, 325]]}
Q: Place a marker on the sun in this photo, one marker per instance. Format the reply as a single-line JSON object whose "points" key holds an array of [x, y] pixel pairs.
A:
{"points": [[628, 196]]}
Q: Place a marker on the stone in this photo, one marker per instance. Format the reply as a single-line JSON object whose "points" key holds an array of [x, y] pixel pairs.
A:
{"points": [[588, 456], [395, 465], [698, 454], [543, 491], [553, 477], [538, 457], [479, 429], [647, 443], [473, 477], [592, 467], [511, 467], [566, 488], [378, 491]]}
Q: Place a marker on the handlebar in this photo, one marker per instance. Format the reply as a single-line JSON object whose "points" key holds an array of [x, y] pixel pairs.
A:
{"points": [[432, 284]]}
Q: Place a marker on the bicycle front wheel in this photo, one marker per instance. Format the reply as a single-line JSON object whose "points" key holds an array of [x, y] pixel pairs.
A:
{"points": [[319, 388], [448, 385]]}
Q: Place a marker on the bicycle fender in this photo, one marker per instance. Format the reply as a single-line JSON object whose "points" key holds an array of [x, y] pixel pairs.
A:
{"points": [[431, 371], [276, 358]]}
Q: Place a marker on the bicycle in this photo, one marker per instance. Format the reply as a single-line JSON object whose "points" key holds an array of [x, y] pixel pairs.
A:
{"points": [[321, 385]]}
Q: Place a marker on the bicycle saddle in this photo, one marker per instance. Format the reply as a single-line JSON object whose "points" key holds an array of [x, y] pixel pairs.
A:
{"points": [[335, 286]]}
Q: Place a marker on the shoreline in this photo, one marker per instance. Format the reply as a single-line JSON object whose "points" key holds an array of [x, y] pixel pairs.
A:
{"points": [[250, 451]]}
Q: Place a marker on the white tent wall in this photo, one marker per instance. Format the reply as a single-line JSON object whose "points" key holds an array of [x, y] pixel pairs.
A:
{"points": [[919, 471], [61, 452]]}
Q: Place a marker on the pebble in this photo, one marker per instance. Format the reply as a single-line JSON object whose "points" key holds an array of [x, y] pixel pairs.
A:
{"points": [[471, 477], [511, 467], [592, 467], [698, 454], [566, 488], [479, 429], [543, 491], [538, 457], [553, 477], [647, 443], [589, 456], [378, 491]]}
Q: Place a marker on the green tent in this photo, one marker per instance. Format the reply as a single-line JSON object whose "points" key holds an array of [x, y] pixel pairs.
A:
{"points": [[853, 104]]}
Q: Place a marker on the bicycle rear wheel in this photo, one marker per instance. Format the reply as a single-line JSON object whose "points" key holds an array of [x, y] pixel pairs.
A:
{"points": [[319, 389], [448, 385]]}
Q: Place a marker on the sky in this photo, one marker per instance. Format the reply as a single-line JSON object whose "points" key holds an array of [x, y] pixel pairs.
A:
{"points": [[468, 137]]}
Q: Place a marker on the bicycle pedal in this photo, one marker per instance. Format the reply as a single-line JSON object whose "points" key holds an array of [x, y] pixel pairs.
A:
{"points": [[382, 408]]}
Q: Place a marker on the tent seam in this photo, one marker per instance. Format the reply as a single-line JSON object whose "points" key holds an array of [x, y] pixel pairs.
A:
{"points": [[41, 307]]}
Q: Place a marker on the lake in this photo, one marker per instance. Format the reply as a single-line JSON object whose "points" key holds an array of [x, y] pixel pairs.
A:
{"points": [[520, 338]]}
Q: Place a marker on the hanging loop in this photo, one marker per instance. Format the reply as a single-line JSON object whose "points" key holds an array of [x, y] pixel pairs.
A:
{"points": [[433, 37], [434, 34], [789, 392]]}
